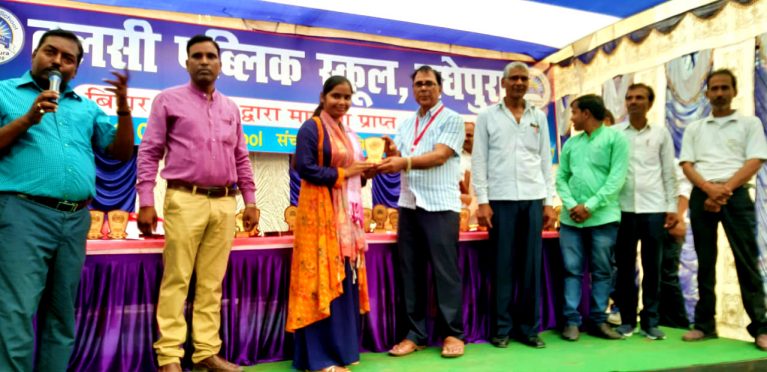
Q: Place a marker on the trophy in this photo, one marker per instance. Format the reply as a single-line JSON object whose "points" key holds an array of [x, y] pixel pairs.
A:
{"points": [[558, 211], [255, 231], [393, 219], [367, 214], [464, 224], [379, 217], [374, 146], [97, 222], [118, 221], [290, 217], [240, 226]]}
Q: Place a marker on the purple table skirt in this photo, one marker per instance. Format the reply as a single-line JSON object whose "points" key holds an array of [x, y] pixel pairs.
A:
{"points": [[118, 294]]}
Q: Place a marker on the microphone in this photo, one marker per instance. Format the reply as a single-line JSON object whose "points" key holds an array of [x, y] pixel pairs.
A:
{"points": [[54, 81]]}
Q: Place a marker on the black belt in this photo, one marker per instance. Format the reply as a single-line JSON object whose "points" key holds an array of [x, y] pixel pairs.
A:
{"points": [[211, 192], [61, 205]]}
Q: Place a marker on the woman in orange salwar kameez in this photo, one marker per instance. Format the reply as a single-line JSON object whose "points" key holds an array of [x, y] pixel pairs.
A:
{"points": [[328, 286]]}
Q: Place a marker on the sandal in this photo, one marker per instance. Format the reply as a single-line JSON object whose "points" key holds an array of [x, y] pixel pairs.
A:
{"points": [[405, 347], [335, 369], [452, 347]]}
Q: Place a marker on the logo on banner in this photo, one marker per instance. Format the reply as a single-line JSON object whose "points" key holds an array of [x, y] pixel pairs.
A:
{"points": [[539, 91], [11, 36]]}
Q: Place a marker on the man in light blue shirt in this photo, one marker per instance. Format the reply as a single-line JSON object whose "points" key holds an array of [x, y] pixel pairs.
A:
{"points": [[511, 165], [47, 177], [426, 150]]}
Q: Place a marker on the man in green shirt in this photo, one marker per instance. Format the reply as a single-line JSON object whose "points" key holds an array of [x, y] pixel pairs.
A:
{"points": [[592, 171]]}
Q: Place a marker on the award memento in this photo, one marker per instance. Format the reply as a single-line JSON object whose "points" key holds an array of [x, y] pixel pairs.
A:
{"points": [[255, 231], [374, 146], [380, 217], [118, 221], [97, 222], [290, 217], [367, 214], [393, 220], [557, 211], [464, 224], [239, 231]]}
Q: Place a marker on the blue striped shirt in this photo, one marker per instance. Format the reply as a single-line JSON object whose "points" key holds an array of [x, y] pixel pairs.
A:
{"points": [[434, 189], [54, 158]]}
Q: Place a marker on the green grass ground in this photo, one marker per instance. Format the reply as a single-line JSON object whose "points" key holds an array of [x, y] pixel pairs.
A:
{"points": [[587, 354]]}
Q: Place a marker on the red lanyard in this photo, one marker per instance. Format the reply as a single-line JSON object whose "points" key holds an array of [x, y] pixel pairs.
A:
{"points": [[419, 136]]}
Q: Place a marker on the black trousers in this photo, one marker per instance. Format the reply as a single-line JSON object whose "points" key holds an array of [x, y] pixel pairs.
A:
{"points": [[516, 238], [647, 227], [671, 309], [739, 221], [430, 237]]}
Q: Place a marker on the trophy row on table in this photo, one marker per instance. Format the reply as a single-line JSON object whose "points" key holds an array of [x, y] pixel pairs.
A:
{"points": [[379, 219]]}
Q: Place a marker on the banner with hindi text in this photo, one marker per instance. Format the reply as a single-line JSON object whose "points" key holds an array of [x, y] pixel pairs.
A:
{"points": [[275, 79]]}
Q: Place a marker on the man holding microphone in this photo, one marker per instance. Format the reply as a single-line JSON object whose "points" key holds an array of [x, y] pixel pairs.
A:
{"points": [[47, 179]]}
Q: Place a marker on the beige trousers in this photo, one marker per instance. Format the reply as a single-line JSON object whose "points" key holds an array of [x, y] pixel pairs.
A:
{"points": [[198, 238]]}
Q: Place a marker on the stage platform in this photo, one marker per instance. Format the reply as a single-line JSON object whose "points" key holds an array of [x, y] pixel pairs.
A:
{"points": [[117, 297], [588, 354]]}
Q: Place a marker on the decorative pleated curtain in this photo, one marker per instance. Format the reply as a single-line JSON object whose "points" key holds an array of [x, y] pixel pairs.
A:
{"points": [[760, 103]]}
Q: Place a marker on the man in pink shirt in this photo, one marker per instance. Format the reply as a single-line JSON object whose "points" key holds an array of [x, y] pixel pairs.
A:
{"points": [[198, 131]]}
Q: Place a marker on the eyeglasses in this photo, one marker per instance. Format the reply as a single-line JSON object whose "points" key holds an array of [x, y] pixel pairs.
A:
{"points": [[427, 84], [517, 77]]}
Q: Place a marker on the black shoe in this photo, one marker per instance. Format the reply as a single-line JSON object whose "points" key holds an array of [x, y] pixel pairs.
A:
{"points": [[532, 341], [571, 333], [605, 331], [500, 341]]}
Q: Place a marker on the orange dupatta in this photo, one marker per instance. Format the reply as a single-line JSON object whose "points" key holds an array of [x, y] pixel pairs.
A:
{"points": [[317, 269]]}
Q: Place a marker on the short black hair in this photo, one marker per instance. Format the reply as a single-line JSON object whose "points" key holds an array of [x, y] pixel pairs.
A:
{"points": [[723, 71], [427, 68], [196, 39], [650, 92], [591, 103], [66, 35]]}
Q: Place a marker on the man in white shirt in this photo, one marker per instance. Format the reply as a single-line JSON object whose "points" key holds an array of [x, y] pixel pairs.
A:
{"points": [[720, 155], [648, 207], [672, 311], [511, 166]]}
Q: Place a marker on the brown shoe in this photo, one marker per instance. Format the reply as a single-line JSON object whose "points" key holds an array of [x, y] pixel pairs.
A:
{"points": [[173, 367], [761, 342], [605, 331], [698, 335], [216, 363], [571, 333], [405, 347]]}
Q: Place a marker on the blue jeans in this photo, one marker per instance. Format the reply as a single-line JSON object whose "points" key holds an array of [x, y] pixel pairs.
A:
{"points": [[596, 242]]}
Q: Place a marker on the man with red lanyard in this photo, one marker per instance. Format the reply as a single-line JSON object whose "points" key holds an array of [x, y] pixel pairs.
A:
{"points": [[427, 151]]}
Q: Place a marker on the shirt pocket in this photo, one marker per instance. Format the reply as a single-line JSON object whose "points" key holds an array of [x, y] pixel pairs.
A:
{"points": [[531, 138], [648, 150], [599, 156], [228, 130]]}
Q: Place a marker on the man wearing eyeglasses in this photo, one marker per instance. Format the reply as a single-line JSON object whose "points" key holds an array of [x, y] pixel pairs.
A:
{"points": [[427, 151], [511, 165]]}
